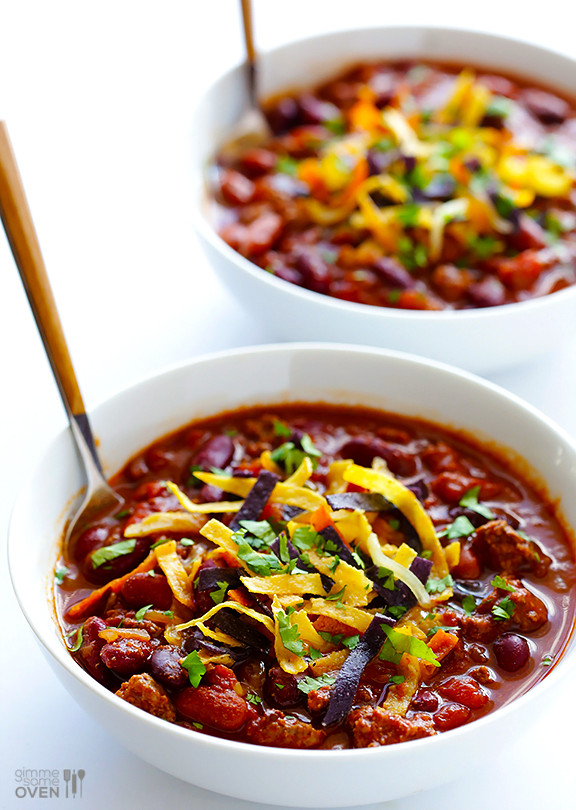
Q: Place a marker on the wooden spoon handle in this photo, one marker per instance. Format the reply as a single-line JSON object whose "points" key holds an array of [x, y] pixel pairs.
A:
{"points": [[21, 234], [247, 25]]}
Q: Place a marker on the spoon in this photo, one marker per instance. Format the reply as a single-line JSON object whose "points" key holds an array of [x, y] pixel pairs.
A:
{"points": [[19, 227]]}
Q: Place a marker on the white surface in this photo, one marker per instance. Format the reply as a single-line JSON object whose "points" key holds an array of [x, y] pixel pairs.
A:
{"points": [[97, 99]]}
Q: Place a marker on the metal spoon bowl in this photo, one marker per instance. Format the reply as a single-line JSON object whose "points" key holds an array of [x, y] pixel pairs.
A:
{"points": [[19, 227]]}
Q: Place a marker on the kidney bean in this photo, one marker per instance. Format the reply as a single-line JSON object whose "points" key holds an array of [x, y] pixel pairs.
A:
{"points": [[451, 281], [315, 111], [451, 486], [528, 234], [217, 452], [282, 689], [165, 666], [424, 701], [222, 709], [261, 234], [549, 109], [117, 567], [521, 271], [157, 458], [314, 271], [283, 115], [289, 274], [393, 273], [126, 656], [420, 489], [90, 540], [89, 652], [236, 188], [364, 450], [512, 652], [489, 292], [464, 690], [258, 161], [147, 589], [451, 715]]}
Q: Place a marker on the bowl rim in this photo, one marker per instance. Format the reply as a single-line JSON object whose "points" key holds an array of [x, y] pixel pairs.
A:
{"points": [[58, 653], [205, 229]]}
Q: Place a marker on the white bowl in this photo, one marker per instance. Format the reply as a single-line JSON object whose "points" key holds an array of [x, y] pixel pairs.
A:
{"points": [[480, 340], [268, 375]]}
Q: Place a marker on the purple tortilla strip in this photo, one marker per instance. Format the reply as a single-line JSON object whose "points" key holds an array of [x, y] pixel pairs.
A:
{"points": [[256, 499], [330, 533], [344, 690], [366, 501], [211, 577]]}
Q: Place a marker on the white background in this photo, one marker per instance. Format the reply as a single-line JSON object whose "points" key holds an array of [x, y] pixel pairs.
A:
{"points": [[97, 97]]}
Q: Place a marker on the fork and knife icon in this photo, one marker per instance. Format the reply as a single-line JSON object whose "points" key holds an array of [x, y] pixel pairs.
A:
{"points": [[73, 780]]}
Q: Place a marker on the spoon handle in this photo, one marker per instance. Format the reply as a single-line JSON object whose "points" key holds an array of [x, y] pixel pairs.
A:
{"points": [[19, 227], [250, 49]]}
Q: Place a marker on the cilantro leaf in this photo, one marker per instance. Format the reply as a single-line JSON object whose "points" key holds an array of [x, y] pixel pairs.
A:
{"points": [[305, 538], [308, 684], [219, 594], [77, 635], [461, 527], [500, 582], [351, 642], [139, 615], [261, 530], [60, 574], [470, 501], [396, 679], [108, 553], [290, 457], [504, 609], [262, 564], [195, 667], [469, 604], [289, 633], [287, 165], [253, 699], [280, 429], [398, 643], [435, 585]]}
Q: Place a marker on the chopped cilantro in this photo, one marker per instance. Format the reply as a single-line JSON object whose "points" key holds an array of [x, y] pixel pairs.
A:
{"points": [[398, 643], [192, 480], [336, 597], [280, 685], [287, 165], [351, 642], [124, 513], [462, 527], [77, 635], [314, 653], [396, 679], [280, 429], [499, 107], [262, 530], [195, 667], [470, 501], [159, 543], [547, 660], [426, 553], [262, 564], [408, 214], [335, 564], [139, 615], [387, 578], [290, 457], [289, 632], [483, 246], [219, 595], [186, 541], [108, 553], [331, 638], [231, 432], [220, 471], [394, 523], [500, 582], [504, 609], [337, 126], [308, 684], [253, 699], [435, 585], [199, 726], [469, 604], [397, 611], [394, 296], [60, 574]]}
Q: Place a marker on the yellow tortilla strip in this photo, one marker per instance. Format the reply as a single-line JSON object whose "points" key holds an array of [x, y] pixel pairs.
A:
{"points": [[407, 503], [353, 617], [172, 634], [285, 584], [164, 522], [399, 696], [330, 663], [288, 660], [282, 492], [357, 587], [354, 527], [175, 573]]}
